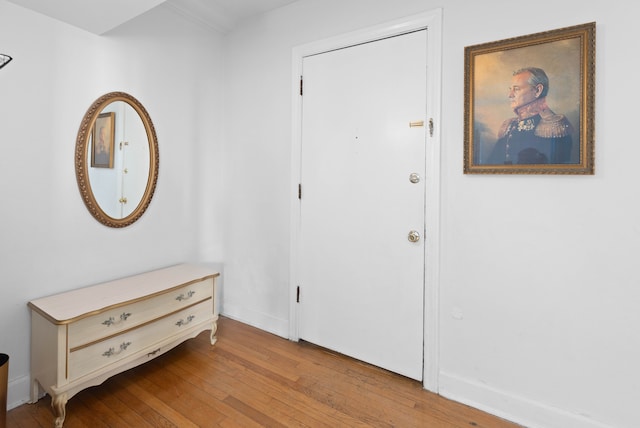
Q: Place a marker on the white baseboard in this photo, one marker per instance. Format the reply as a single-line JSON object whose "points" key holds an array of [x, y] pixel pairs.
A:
{"points": [[528, 413], [18, 392], [277, 326]]}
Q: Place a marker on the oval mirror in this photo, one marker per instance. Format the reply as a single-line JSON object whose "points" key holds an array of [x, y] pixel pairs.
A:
{"points": [[116, 159]]}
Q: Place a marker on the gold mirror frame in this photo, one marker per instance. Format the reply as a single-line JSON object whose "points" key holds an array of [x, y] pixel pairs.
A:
{"points": [[82, 147]]}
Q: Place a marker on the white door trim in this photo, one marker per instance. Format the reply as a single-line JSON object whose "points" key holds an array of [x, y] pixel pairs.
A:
{"points": [[432, 21]]}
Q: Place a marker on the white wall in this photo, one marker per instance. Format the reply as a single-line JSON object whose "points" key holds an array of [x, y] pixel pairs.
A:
{"points": [[48, 240], [540, 269]]}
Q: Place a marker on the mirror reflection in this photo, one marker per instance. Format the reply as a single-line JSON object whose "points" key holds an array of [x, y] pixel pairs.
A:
{"points": [[119, 157], [116, 159]]}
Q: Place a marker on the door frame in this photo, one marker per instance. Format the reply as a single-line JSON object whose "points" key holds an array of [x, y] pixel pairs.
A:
{"points": [[432, 22]]}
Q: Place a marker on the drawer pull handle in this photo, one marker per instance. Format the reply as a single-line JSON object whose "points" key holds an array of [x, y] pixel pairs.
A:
{"points": [[152, 353], [111, 352], [182, 322], [112, 320], [182, 297]]}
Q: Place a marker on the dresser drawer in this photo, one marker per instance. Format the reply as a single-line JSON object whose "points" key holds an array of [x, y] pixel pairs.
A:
{"points": [[126, 317], [89, 358]]}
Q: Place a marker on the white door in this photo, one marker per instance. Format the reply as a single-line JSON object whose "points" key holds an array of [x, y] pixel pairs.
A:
{"points": [[362, 176]]}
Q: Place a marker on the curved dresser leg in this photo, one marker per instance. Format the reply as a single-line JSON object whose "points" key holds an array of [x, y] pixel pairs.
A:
{"points": [[59, 404], [214, 329]]}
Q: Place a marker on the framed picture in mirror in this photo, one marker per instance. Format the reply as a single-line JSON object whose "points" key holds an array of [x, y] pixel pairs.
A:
{"points": [[103, 141]]}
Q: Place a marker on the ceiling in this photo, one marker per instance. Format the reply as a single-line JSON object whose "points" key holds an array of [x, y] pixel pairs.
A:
{"points": [[224, 15], [99, 16]]}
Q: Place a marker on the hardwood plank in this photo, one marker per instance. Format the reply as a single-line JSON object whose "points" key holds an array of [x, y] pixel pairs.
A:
{"points": [[252, 378], [224, 412], [233, 378], [22, 417], [160, 401], [138, 408]]}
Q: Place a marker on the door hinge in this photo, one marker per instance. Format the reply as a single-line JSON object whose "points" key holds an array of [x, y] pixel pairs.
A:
{"points": [[299, 191], [298, 294], [301, 85]]}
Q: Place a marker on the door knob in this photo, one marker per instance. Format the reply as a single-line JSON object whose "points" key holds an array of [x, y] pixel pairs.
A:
{"points": [[414, 236]]}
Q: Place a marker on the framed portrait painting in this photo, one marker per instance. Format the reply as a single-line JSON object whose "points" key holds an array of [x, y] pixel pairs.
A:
{"points": [[529, 104], [103, 137]]}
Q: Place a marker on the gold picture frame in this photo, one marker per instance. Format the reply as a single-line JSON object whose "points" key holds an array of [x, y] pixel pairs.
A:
{"points": [[103, 140], [529, 104]]}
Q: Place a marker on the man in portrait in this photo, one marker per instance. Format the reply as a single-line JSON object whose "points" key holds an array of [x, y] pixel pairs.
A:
{"points": [[102, 141], [536, 134], [102, 154]]}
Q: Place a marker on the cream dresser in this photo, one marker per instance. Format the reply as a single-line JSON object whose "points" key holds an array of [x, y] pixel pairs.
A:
{"points": [[82, 337]]}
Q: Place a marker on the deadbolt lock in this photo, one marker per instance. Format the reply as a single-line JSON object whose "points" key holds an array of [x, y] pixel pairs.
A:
{"points": [[414, 236]]}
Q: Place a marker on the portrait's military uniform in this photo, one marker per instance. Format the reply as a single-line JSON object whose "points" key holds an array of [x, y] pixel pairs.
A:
{"points": [[536, 136]]}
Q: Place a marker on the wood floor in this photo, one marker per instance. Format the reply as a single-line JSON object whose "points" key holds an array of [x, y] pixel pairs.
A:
{"points": [[251, 378]]}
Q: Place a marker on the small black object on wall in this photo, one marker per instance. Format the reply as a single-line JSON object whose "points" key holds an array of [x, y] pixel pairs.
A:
{"points": [[4, 60]]}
